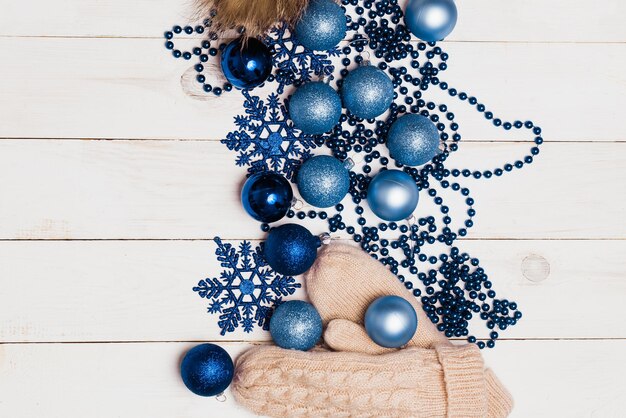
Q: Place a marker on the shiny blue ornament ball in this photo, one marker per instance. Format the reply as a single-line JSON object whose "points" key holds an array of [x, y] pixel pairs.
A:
{"points": [[315, 108], [267, 196], [290, 249], [367, 92], [323, 181], [390, 321], [246, 64], [322, 25], [296, 325], [392, 195], [430, 20], [207, 370], [413, 140]]}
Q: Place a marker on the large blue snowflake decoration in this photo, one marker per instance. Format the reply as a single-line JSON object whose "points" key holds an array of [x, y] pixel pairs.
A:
{"points": [[451, 285], [266, 139], [247, 290]]}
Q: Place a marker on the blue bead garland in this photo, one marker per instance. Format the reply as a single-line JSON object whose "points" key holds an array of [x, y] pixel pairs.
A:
{"points": [[452, 286]]}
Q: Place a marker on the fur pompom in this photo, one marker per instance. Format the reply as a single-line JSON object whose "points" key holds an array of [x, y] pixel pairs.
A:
{"points": [[256, 16]]}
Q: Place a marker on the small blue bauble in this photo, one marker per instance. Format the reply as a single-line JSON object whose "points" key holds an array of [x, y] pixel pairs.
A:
{"points": [[267, 196], [323, 181], [430, 20], [367, 92], [315, 108], [392, 195], [322, 25], [296, 325], [291, 249], [246, 64], [207, 370], [413, 140], [390, 321]]}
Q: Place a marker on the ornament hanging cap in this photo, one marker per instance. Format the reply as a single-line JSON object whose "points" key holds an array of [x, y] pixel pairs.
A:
{"points": [[255, 16]]}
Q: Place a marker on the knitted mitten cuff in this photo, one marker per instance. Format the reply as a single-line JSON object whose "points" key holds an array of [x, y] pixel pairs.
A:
{"points": [[499, 400], [464, 379]]}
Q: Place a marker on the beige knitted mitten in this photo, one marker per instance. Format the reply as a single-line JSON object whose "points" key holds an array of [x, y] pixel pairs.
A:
{"points": [[429, 378]]}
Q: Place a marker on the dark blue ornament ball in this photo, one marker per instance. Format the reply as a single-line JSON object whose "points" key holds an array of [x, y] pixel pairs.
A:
{"points": [[367, 92], [390, 321], [246, 64], [322, 25], [291, 249], [323, 181], [296, 325], [207, 370], [392, 195], [267, 196], [413, 140], [315, 108], [430, 20]]}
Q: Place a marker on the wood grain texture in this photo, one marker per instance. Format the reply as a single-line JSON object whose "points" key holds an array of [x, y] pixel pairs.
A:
{"points": [[518, 21], [574, 379], [142, 291], [178, 190], [131, 88]]}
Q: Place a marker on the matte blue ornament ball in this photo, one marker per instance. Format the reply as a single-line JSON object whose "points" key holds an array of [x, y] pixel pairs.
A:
{"points": [[430, 20], [390, 321], [323, 181], [296, 325], [367, 92], [315, 108], [392, 195], [413, 140], [246, 64], [291, 249], [207, 370], [322, 25], [267, 196]]}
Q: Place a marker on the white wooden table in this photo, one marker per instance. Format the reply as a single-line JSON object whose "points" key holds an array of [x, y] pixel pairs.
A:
{"points": [[113, 183]]}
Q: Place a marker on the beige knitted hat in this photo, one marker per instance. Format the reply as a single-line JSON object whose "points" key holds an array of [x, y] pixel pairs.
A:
{"points": [[429, 378]]}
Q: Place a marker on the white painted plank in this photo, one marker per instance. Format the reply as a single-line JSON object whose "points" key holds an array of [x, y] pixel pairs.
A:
{"points": [[484, 20], [142, 291], [190, 189], [573, 379], [131, 88]]}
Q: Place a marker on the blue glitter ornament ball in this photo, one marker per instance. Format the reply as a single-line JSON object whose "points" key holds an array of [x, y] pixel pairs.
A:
{"points": [[267, 196], [367, 92], [322, 25], [413, 140], [246, 64], [430, 20], [323, 181], [315, 108], [392, 195], [390, 321], [296, 325], [291, 249], [207, 370]]}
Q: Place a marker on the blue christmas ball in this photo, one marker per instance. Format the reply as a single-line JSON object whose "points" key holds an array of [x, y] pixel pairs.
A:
{"points": [[322, 25], [390, 321], [392, 195], [296, 325], [246, 64], [323, 181], [291, 249], [207, 370], [267, 196], [367, 92], [315, 108], [430, 20], [413, 140]]}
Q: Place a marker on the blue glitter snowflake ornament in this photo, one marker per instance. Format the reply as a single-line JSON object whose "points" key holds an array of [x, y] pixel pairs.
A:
{"points": [[266, 139], [247, 291]]}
